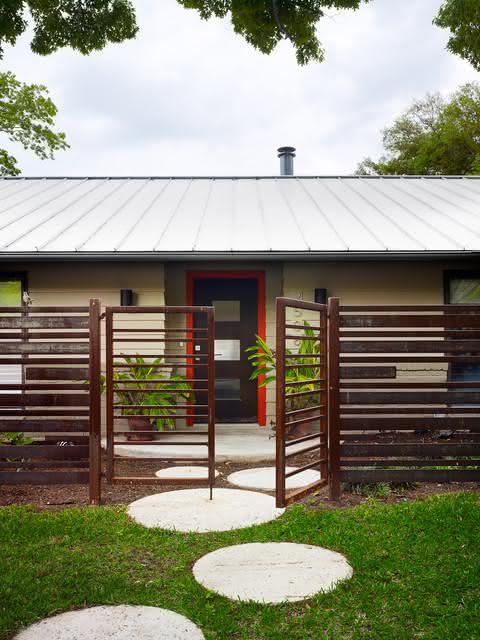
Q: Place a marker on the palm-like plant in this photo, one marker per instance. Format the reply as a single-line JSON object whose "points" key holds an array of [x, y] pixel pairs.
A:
{"points": [[149, 391], [264, 363]]}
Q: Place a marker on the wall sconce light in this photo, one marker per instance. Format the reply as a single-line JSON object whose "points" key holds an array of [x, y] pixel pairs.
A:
{"points": [[320, 296], [126, 297]]}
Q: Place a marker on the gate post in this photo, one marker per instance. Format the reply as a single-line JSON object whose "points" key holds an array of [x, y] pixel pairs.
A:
{"points": [[95, 399], [334, 398], [280, 405]]}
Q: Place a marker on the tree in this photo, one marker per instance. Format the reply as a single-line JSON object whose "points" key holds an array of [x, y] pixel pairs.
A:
{"points": [[462, 18], [435, 136], [27, 117], [87, 25], [84, 25]]}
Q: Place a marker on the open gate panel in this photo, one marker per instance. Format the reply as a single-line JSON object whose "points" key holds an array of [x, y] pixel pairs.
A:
{"points": [[302, 395], [156, 376]]}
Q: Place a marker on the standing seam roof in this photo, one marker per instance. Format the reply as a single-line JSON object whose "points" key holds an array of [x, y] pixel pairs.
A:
{"points": [[312, 215]]}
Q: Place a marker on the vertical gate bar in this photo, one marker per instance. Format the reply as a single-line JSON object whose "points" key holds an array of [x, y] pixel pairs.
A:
{"points": [[280, 404], [323, 451], [211, 397], [333, 409], [109, 390], [95, 400]]}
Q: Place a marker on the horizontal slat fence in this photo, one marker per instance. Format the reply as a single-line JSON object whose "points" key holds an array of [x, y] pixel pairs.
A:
{"points": [[160, 381], [421, 422], [49, 396]]}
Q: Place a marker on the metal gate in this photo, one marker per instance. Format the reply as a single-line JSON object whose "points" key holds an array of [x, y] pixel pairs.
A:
{"points": [[155, 395], [302, 394]]}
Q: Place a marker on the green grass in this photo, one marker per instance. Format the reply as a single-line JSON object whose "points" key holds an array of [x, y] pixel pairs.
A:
{"points": [[416, 570]]}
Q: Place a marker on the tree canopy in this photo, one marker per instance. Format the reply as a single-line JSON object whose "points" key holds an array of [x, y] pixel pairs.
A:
{"points": [[84, 25], [87, 25], [435, 136], [26, 117]]}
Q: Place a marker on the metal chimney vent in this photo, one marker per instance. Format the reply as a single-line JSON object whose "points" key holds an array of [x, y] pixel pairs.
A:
{"points": [[286, 155]]}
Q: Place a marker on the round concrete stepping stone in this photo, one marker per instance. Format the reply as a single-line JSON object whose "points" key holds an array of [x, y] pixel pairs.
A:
{"points": [[191, 510], [264, 478], [114, 623], [171, 473], [271, 572]]}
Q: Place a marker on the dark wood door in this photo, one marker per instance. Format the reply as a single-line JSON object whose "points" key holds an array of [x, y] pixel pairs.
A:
{"points": [[236, 322]]}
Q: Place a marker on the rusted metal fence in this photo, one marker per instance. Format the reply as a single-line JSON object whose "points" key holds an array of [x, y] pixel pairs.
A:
{"points": [[160, 377], [50, 396], [405, 393], [301, 388]]}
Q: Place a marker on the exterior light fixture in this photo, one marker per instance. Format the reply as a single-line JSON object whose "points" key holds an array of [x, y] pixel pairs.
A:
{"points": [[320, 296], [126, 297]]}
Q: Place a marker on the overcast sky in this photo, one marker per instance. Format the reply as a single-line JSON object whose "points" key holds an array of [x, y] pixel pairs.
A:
{"points": [[189, 97]]}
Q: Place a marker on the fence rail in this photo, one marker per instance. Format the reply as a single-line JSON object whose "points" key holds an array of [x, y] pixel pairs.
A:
{"points": [[49, 405]]}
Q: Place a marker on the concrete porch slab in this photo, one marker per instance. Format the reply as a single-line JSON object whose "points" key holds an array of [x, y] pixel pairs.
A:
{"points": [[233, 443]]}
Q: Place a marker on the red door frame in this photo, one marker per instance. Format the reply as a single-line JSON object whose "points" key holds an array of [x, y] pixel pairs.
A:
{"points": [[259, 276]]}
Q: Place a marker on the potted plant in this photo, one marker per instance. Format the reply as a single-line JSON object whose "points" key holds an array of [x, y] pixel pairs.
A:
{"points": [[146, 394], [264, 363]]}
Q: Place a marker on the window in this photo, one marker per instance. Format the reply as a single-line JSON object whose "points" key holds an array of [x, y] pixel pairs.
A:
{"points": [[463, 287], [11, 289], [12, 286]]}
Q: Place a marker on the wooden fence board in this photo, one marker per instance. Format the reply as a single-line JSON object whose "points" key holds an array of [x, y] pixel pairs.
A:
{"points": [[44, 400], [55, 373], [54, 348], [52, 451], [44, 426], [396, 450], [45, 322], [451, 321], [410, 475], [44, 477], [417, 396]]}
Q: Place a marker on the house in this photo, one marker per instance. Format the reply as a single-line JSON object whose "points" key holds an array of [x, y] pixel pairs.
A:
{"points": [[238, 243]]}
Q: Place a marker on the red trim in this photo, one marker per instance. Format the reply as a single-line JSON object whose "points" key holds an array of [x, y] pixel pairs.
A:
{"points": [[259, 276]]}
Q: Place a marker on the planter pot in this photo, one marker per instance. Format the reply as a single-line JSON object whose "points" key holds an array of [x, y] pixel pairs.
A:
{"points": [[300, 430], [140, 423]]}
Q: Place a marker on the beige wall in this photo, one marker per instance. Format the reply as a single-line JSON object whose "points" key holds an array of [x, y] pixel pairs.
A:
{"points": [[353, 282], [74, 283], [367, 282]]}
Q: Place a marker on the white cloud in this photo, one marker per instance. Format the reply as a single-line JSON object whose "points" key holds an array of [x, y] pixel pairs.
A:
{"points": [[189, 97]]}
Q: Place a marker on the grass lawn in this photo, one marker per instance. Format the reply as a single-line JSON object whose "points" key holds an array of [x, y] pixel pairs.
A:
{"points": [[416, 570]]}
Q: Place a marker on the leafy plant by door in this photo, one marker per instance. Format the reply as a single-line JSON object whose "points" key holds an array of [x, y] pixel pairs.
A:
{"points": [[264, 363], [146, 393]]}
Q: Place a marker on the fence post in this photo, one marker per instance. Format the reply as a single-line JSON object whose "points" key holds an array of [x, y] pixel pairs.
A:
{"points": [[211, 397], [95, 412], [334, 398], [280, 405]]}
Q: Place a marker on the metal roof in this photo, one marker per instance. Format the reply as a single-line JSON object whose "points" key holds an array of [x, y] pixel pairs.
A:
{"points": [[267, 216]]}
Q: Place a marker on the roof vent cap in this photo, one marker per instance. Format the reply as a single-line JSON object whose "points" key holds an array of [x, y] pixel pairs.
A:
{"points": [[286, 155]]}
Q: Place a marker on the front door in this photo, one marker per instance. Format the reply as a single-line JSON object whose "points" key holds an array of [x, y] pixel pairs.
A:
{"points": [[236, 323]]}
